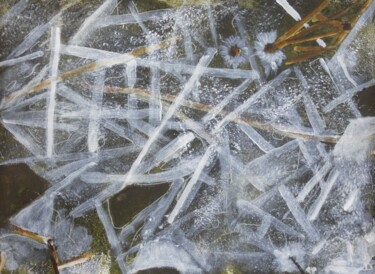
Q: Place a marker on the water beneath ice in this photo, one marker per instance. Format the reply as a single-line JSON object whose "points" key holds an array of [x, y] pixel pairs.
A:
{"points": [[155, 137]]}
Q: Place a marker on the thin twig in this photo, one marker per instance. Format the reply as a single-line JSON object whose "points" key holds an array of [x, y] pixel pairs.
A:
{"points": [[76, 260]]}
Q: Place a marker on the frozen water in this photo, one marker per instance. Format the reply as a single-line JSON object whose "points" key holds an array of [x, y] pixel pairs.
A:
{"points": [[289, 9], [241, 161]]}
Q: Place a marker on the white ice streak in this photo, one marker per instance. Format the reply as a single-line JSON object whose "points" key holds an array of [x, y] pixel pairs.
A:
{"points": [[316, 121], [347, 95], [228, 99], [186, 166], [351, 199], [67, 180], [155, 113], [37, 217], [123, 19], [317, 178], [244, 35], [155, 104], [165, 202], [30, 40], [344, 68], [205, 60], [162, 253], [247, 208], [56, 174], [89, 26], [15, 61], [319, 202], [168, 67], [289, 9], [131, 73], [51, 105], [111, 235], [192, 186], [246, 105], [32, 122], [24, 138], [134, 137], [298, 213], [86, 52], [173, 149], [95, 112], [212, 24], [275, 163], [258, 139], [332, 72], [140, 179]]}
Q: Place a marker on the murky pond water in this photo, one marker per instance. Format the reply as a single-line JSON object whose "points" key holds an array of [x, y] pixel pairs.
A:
{"points": [[187, 136]]}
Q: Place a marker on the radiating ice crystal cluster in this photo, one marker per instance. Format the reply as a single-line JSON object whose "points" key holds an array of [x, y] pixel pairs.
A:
{"points": [[264, 174], [270, 60]]}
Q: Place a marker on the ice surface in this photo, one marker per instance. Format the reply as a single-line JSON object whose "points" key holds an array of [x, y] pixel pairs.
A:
{"points": [[232, 96], [13, 12], [319, 202], [89, 26], [123, 19], [193, 185], [348, 95], [257, 170], [37, 216], [95, 113], [163, 205], [298, 213], [242, 108], [248, 208], [15, 61], [316, 121], [257, 138], [317, 178], [162, 253], [360, 132]]}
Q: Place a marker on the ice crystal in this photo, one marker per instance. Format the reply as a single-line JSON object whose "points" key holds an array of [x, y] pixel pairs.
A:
{"points": [[234, 51], [271, 60]]}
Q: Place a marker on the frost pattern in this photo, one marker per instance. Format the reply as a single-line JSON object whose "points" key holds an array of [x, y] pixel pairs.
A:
{"points": [[253, 181]]}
